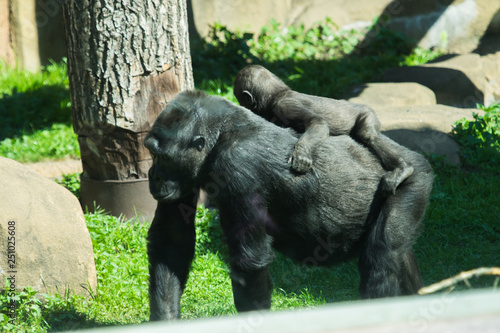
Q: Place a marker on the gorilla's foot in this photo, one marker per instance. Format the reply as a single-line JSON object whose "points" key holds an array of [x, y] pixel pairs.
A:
{"points": [[392, 179]]}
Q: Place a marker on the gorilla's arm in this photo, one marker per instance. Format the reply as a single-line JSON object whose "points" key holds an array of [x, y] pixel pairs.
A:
{"points": [[171, 240]]}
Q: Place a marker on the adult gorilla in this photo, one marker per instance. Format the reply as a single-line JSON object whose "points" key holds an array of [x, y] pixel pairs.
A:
{"points": [[321, 217]]}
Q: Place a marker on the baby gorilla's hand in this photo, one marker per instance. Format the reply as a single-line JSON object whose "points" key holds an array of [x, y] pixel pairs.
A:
{"points": [[301, 159]]}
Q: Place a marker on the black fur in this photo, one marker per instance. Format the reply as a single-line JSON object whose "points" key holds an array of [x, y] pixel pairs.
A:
{"points": [[241, 161], [264, 93]]}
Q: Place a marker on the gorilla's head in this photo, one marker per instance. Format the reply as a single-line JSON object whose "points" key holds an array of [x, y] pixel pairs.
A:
{"points": [[255, 88], [177, 142]]}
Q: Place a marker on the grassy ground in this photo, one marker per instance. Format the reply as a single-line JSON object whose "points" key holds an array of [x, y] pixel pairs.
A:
{"points": [[462, 229], [35, 114]]}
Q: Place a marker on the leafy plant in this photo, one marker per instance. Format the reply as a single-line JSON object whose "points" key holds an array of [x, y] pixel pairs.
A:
{"points": [[480, 137], [220, 55], [71, 182], [28, 311], [421, 56], [320, 42], [483, 131], [319, 60]]}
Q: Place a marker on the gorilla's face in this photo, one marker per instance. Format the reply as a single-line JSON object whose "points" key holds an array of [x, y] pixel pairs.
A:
{"points": [[167, 182], [178, 152]]}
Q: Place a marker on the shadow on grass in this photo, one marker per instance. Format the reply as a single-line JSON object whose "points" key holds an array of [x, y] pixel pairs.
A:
{"points": [[70, 319], [35, 109]]}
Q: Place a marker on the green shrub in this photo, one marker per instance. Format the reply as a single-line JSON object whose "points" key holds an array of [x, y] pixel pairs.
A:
{"points": [[71, 182], [483, 131], [480, 137], [319, 60]]}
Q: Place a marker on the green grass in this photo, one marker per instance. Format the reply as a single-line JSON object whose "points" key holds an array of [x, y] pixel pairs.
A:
{"points": [[33, 101], [461, 233], [480, 138], [53, 143], [462, 226]]}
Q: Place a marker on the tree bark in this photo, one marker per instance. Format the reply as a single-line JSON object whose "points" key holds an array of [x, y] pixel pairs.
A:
{"points": [[126, 61]]}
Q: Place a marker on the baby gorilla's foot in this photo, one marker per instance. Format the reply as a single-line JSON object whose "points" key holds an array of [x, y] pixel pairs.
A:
{"points": [[301, 160], [392, 179]]}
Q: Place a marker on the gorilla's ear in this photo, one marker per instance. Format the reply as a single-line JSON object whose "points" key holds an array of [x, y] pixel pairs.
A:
{"points": [[198, 142], [151, 143], [248, 97]]}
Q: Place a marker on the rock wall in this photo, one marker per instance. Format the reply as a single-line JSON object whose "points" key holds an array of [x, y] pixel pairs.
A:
{"points": [[461, 22], [6, 52]]}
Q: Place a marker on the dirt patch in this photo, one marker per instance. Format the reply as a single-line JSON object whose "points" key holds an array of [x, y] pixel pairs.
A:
{"points": [[55, 169]]}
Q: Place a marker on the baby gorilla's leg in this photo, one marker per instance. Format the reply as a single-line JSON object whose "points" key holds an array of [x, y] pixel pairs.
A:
{"points": [[367, 130], [393, 178]]}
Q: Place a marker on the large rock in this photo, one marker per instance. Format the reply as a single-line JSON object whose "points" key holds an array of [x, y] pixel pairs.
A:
{"points": [[427, 141], [463, 21], [392, 94], [491, 69], [456, 80], [54, 169], [424, 128], [50, 245], [422, 117]]}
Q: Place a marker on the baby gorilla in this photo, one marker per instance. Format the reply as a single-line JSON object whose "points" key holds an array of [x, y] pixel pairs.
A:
{"points": [[265, 94]]}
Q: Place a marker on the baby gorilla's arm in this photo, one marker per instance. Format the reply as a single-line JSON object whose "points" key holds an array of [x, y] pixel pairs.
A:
{"points": [[315, 130]]}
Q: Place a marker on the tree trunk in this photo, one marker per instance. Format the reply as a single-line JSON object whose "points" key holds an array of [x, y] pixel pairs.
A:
{"points": [[126, 60]]}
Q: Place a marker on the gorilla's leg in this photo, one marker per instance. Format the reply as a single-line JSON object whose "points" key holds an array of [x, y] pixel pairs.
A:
{"points": [[410, 278], [367, 130], [387, 264], [377, 266], [250, 251], [252, 289], [171, 240]]}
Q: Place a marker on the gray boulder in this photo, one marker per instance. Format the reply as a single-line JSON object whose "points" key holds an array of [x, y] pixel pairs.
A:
{"points": [[427, 141], [422, 117], [423, 128], [456, 80], [50, 247], [392, 94]]}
